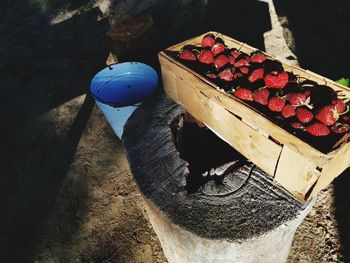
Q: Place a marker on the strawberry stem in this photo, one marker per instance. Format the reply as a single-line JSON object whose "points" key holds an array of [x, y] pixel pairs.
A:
{"points": [[344, 112]]}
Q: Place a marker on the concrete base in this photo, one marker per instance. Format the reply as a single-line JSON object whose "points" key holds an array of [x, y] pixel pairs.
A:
{"points": [[182, 246]]}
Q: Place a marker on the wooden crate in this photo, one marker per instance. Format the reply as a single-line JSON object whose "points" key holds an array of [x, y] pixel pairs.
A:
{"points": [[295, 165]]}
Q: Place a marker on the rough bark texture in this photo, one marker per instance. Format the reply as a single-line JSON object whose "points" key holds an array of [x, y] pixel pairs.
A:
{"points": [[256, 208]]}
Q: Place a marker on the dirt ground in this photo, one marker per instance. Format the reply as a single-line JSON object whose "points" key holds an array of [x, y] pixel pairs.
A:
{"points": [[66, 191]]}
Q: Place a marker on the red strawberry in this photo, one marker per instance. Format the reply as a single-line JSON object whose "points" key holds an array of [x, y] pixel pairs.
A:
{"points": [[339, 105], [275, 80], [288, 111], [237, 75], [187, 55], [327, 115], [340, 127], [243, 93], [296, 98], [261, 96], [208, 40], [244, 70], [220, 61], [226, 74], [346, 118], [256, 74], [217, 48], [211, 75], [206, 57], [276, 104], [258, 58], [231, 60], [304, 115], [235, 53], [318, 129], [296, 125], [241, 63]]}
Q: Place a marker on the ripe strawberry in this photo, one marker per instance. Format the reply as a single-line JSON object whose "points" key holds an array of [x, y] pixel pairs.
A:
{"points": [[327, 115], [288, 111], [235, 53], [217, 48], [296, 98], [241, 63], [318, 129], [220, 61], [275, 80], [208, 40], [276, 104], [304, 115], [339, 105], [244, 70], [261, 96], [211, 75], [231, 59], [256, 74], [258, 58], [243, 93], [206, 57], [340, 127], [237, 75], [187, 55], [226, 75]]}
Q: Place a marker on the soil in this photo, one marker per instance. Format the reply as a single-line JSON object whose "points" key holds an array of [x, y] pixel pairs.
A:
{"points": [[66, 191]]}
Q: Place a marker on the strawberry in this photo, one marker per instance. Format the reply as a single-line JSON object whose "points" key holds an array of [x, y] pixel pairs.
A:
{"points": [[275, 80], [340, 127], [243, 93], [258, 58], [296, 98], [276, 104], [261, 96], [327, 115], [339, 105], [211, 75], [244, 70], [241, 63], [304, 115], [187, 55], [208, 40], [220, 61], [234, 53], [217, 48], [231, 59], [226, 75], [206, 57], [237, 75], [288, 111], [256, 74], [318, 129]]}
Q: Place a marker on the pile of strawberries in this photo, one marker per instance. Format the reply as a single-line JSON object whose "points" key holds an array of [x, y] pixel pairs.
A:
{"points": [[262, 82]]}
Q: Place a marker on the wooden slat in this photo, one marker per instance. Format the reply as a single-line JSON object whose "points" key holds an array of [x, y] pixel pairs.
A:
{"points": [[295, 173]]}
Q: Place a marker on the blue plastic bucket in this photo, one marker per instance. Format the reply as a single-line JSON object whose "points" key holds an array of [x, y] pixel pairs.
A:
{"points": [[119, 88]]}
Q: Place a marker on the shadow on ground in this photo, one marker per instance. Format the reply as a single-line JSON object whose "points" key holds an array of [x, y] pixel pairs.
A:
{"points": [[321, 31], [42, 67]]}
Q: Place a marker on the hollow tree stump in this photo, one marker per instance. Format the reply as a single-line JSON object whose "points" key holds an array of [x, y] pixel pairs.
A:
{"points": [[240, 217]]}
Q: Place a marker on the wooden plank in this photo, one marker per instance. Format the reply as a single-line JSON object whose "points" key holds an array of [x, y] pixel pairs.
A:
{"points": [[295, 173], [332, 169]]}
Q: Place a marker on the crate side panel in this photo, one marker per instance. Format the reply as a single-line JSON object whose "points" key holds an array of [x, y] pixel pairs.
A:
{"points": [[295, 173], [335, 167], [231, 129]]}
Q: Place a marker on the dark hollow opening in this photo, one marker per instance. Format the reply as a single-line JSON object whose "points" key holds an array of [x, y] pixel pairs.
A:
{"points": [[211, 160]]}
